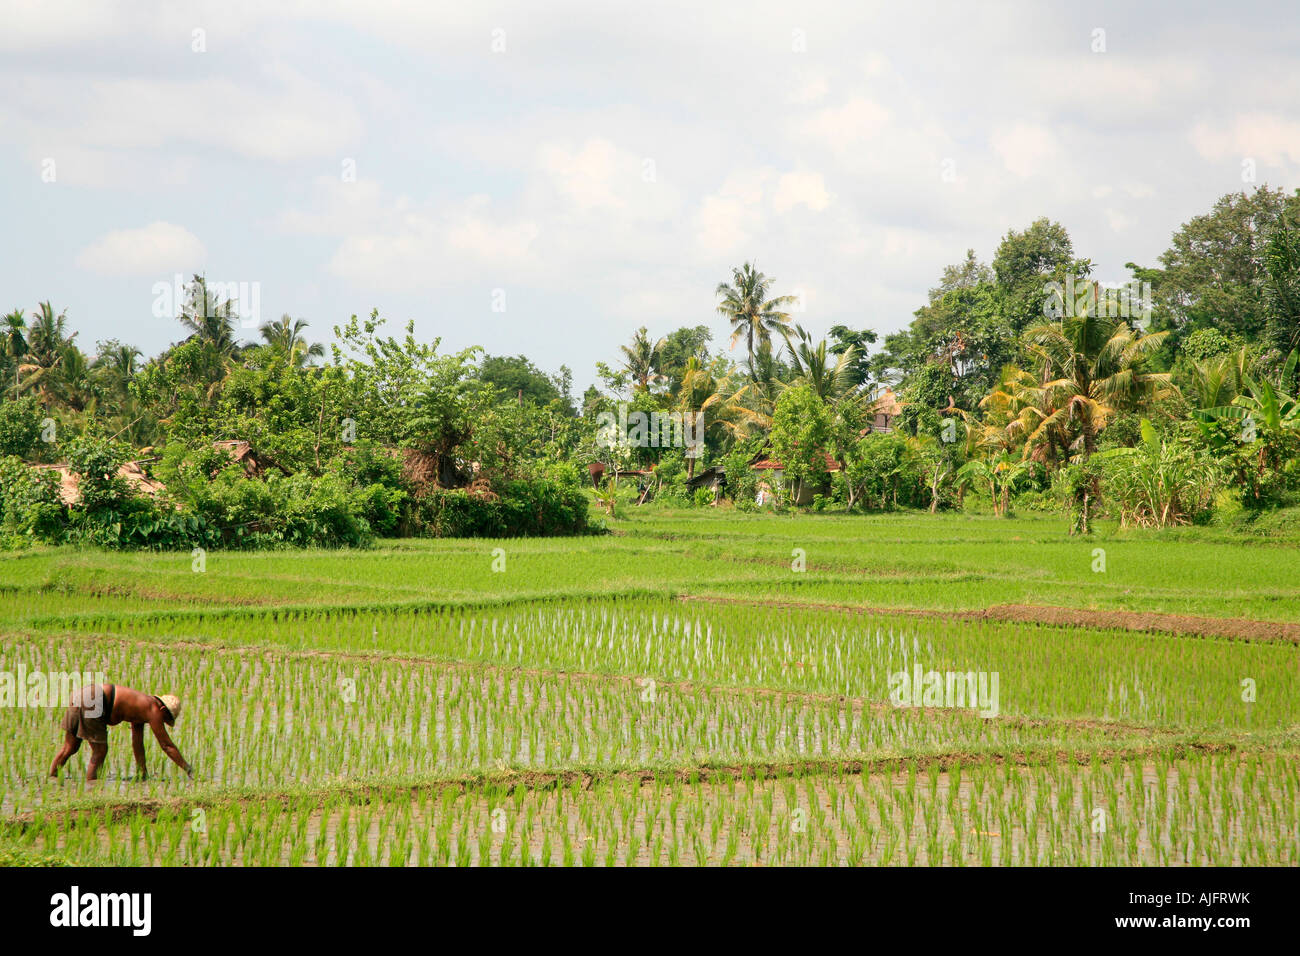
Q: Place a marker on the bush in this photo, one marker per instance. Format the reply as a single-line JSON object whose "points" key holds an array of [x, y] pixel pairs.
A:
{"points": [[30, 507], [522, 508], [20, 426], [110, 514], [742, 483], [1159, 484]]}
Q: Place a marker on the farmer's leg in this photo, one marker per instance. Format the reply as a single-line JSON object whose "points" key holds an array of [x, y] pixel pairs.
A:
{"points": [[98, 750], [71, 744]]}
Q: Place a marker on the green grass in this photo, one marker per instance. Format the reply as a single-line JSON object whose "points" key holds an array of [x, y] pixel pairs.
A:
{"points": [[896, 561]]}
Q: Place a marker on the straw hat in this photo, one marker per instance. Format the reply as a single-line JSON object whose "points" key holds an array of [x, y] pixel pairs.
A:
{"points": [[172, 703]]}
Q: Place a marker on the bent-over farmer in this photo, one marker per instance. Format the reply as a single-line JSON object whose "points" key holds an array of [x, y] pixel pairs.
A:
{"points": [[96, 707]]}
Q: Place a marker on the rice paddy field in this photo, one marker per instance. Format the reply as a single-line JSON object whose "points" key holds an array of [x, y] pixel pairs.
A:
{"points": [[695, 688]]}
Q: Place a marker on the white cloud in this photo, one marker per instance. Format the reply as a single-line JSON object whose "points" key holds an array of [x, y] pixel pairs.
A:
{"points": [[1026, 149], [1119, 221], [801, 188], [857, 123], [808, 87], [281, 116], [587, 176], [155, 249], [730, 218], [1267, 138], [428, 249]]}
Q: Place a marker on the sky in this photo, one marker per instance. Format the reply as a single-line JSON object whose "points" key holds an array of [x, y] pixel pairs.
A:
{"points": [[545, 178]]}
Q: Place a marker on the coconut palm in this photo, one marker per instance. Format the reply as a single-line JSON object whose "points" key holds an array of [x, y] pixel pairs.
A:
{"points": [[1000, 473], [210, 320], [1219, 379], [641, 360], [211, 323], [285, 335], [753, 316], [1013, 411], [70, 385], [13, 340], [830, 376], [1090, 367], [720, 401], [47, 342], [114, 367]]}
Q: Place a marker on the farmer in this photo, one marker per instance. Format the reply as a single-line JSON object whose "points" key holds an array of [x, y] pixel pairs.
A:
{"points": [[96, 707]]}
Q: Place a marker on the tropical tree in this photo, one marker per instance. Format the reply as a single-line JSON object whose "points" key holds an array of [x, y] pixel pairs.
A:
{"points": [[641, 360], [1263, 402], [1217, 380], [47, 346], [938, 460], [285, 335], [718, 399], [1091, 366], [801, 435], [752, 314], [1258, 435], [13, 340], [1001, 473], [1282, 289], [829, 376], [211, 322]]}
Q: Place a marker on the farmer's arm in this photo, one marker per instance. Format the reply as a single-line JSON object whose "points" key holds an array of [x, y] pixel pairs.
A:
{"points": [[137, 748], [165, 742]]}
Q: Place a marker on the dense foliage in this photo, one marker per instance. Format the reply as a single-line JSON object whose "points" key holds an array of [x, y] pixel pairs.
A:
{"points": [[1008, 381]]}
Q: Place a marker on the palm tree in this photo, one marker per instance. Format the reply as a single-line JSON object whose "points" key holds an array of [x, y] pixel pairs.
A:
{"points": [[212, 324], [13, 340], [47, 343], [1091, 366], [753, 316], [115, 366], [70, 385], [1013, 412], [209, 320], [1000, 473], [641, 360], [718, 401], [813, 367], [286, 335], [1217, 380]]}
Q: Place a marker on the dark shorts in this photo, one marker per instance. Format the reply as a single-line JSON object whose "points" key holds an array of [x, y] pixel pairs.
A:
{"points": [[88, 712]]}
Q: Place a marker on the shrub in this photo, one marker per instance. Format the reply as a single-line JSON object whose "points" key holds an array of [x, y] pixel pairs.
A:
{"points": [[521, 508], [1159, 484], [20, 426], [742, 484], [30, 507]]}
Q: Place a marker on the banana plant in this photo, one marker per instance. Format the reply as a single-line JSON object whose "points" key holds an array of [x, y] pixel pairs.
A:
{"points": [[1158, 484], [1263, 403], [1000, 474]]}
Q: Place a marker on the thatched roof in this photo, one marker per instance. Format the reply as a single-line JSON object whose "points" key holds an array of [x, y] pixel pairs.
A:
{"points": [[135, 477], [887, 403], [242, 452]]}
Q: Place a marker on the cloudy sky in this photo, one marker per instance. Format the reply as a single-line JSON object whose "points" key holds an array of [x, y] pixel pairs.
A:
{"points": [[546, 177]]}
